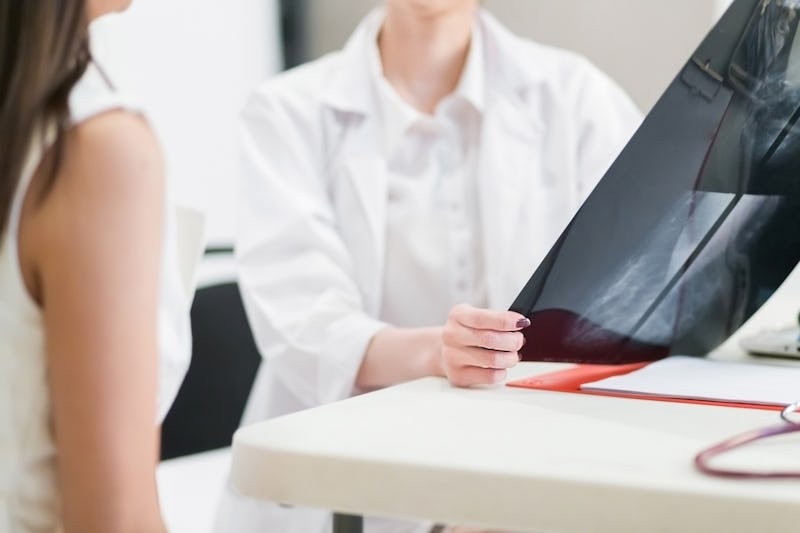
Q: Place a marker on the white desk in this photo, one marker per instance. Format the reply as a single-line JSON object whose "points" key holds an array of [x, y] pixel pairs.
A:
{"points": [[522, 460]]}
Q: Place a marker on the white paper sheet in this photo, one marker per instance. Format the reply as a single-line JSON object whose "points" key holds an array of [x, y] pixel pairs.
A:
{"points": [[705, 379]]}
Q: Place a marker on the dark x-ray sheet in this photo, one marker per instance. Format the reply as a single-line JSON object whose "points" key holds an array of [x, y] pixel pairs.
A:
{"points": [[697, 222]]}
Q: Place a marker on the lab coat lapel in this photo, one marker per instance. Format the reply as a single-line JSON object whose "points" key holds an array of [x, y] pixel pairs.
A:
{"points": [[367, 176], [506, 160], [510, 148], [361, 174]]}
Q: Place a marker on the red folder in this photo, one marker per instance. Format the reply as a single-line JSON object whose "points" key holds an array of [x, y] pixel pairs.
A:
{"points": [[571, 379]]}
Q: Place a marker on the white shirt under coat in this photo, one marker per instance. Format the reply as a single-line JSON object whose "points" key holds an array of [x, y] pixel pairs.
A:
{"points": [[433, 242]]}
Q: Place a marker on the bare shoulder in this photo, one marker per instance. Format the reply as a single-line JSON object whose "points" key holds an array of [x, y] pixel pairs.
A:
{"points": [[114, 149], [111, 175], [106, 199]]}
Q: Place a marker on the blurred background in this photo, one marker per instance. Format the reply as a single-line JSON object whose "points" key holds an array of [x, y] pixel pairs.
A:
{"points": [[192, 63]]}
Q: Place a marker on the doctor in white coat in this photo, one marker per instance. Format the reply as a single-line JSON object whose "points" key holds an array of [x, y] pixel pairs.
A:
{"points": [[397, 196]]}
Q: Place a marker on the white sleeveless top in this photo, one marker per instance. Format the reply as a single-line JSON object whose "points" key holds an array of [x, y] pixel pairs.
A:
{"points": [[28, 494]]}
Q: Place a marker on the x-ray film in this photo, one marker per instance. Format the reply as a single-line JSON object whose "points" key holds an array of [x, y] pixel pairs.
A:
{"points": [[697, 222]]}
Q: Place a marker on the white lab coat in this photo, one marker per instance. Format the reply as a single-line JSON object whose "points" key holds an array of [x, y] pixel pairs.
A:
{"points": [[311, 243]]}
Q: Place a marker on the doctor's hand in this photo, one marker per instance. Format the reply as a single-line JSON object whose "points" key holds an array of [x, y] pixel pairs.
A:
{"points": [[478, 345]]}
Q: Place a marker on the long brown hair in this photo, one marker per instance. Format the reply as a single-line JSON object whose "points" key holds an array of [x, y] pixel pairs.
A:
{"points": [[44, 50]]}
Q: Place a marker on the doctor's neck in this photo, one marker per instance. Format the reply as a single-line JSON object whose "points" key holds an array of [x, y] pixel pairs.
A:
{"points": [[424, 46]]}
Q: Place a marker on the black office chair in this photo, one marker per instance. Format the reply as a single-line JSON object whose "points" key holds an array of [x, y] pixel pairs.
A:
{"points": [[225, 360]]}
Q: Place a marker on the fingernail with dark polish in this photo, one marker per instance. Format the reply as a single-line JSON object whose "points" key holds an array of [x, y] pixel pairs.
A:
{"points": [[523, 323]]}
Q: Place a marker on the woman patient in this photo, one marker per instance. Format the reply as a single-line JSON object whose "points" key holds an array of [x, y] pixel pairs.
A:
{"points": [[93, 316]]}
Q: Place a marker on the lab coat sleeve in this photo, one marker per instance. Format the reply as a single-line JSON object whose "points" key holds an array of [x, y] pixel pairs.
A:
{"points": [[296, 275], [608, 118]]}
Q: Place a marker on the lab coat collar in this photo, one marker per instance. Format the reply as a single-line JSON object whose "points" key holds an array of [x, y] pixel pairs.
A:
{"points": [[472, 85], [351, 89], [511, 70], [399, 115]]}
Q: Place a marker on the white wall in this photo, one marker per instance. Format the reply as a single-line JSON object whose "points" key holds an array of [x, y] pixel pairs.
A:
{"points": [[720, 6], [192, 64], [641, 44]]}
